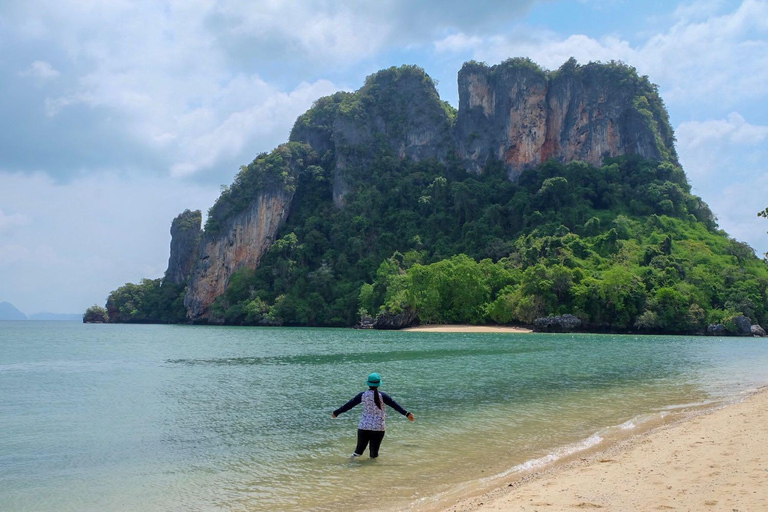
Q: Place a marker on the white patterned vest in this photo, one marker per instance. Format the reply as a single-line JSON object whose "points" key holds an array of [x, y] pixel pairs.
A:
{"points": [[373, 417]]}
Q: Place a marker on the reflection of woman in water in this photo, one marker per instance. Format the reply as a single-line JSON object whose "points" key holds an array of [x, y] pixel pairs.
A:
{"points": [[371, 428]]}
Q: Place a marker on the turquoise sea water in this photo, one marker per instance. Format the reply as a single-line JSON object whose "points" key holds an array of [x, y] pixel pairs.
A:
{"points": [[118, 417]]}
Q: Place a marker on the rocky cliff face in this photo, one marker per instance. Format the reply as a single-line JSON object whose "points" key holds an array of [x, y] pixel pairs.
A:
{"points": [[242, 242], [514, 112], [186, 230], [397, 107], [519, 114], [242, 225]]}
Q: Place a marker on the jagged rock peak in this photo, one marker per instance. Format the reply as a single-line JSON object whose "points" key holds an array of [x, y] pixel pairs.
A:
{"points": [[523, 115], [516, 112], [398, 107], [186, 230]]}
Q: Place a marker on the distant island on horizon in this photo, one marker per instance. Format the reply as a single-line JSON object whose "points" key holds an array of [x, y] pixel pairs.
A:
{"points": [[10, 312], [548, 199]]}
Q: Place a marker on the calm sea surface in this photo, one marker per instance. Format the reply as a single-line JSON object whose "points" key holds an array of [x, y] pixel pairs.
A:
{"points": [[118, 417]]}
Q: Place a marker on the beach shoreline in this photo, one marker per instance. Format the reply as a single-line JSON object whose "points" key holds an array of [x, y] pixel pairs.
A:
{"points": [[468, 329], [708, 459]]}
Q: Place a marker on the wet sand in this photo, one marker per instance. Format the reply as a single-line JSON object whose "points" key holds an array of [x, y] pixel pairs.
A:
{"points": [[716, 460], [468, 328]]}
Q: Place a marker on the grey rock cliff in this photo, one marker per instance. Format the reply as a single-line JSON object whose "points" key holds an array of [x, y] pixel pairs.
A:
{"points": [[514, 112], [398, 107], [243, 223], [186, 230], [240, 243]]}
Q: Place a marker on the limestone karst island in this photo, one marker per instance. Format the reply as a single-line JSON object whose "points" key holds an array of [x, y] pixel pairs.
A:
{"points": [[549, 199]]}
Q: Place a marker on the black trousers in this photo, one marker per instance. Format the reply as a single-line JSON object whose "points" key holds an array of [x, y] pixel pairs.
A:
{"points": [[366, 436]]}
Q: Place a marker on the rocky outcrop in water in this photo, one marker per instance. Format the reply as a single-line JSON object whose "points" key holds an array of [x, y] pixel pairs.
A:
{"points": [[757, 331], [743, 325], [394, 321], [186, 231], [717, 330], [560, 323]]}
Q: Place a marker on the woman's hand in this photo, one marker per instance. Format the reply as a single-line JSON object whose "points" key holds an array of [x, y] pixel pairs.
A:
{"points": [[333, 415], [411, 417]]}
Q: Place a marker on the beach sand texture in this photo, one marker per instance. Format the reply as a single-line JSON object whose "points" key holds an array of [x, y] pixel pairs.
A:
{"points": [[714, 461], [467, 328]]}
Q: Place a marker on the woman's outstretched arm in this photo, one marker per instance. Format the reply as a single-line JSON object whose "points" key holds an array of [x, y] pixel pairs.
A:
{"points": [[396, 406], [347, 406]]}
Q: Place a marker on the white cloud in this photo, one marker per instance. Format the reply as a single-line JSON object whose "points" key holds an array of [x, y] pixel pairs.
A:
{"points": [[725, 161], [698, 10], [40, 70], [707, 148], [11, 253], [207, 135], [723, 56], [734, 129], [158, 72], [459, 43], [90, 235], [15, 219], [737, 204]]}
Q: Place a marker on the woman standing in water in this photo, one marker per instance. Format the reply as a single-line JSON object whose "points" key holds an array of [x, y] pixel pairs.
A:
{"points": [[372, 424]]}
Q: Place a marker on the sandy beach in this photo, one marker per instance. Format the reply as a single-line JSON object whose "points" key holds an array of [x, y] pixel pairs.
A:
{"points": [[468, 328], [716, 460]]}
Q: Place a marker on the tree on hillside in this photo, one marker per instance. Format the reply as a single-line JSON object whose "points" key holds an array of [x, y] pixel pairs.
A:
{"points": [[764, 214]]}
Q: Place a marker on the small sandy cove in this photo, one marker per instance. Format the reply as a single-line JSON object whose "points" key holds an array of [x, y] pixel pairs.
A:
{"points": [[715, 461], [466, 328]]}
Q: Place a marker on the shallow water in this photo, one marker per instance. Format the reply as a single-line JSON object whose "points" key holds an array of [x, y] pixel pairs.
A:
{"points": [[118, 417]]}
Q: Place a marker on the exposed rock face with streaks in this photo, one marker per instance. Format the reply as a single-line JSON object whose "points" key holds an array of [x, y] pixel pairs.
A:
{"points": [[186, 230], [241, 243], [522, 115]]}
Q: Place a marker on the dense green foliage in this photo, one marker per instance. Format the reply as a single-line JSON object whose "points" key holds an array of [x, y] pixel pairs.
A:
{"points": [[96, 314], [382, 96], [625, 246], [150, 301], [764, 214]]}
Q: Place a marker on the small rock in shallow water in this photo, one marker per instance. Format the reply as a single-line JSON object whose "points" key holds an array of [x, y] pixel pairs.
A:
{"points": [[562, 323], [743, 325], [716, 330]]}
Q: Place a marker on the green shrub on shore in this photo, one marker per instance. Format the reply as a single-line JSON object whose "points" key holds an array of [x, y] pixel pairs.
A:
{"points": [[95, 315], [149, 301]]}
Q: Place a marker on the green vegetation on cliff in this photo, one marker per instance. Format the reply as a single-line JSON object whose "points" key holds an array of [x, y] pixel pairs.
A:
{"points": [[625, 246], [386, 219], [268, 170]]}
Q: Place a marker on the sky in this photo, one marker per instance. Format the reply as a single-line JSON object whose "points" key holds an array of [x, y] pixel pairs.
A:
{"points": [[116, 115]]}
